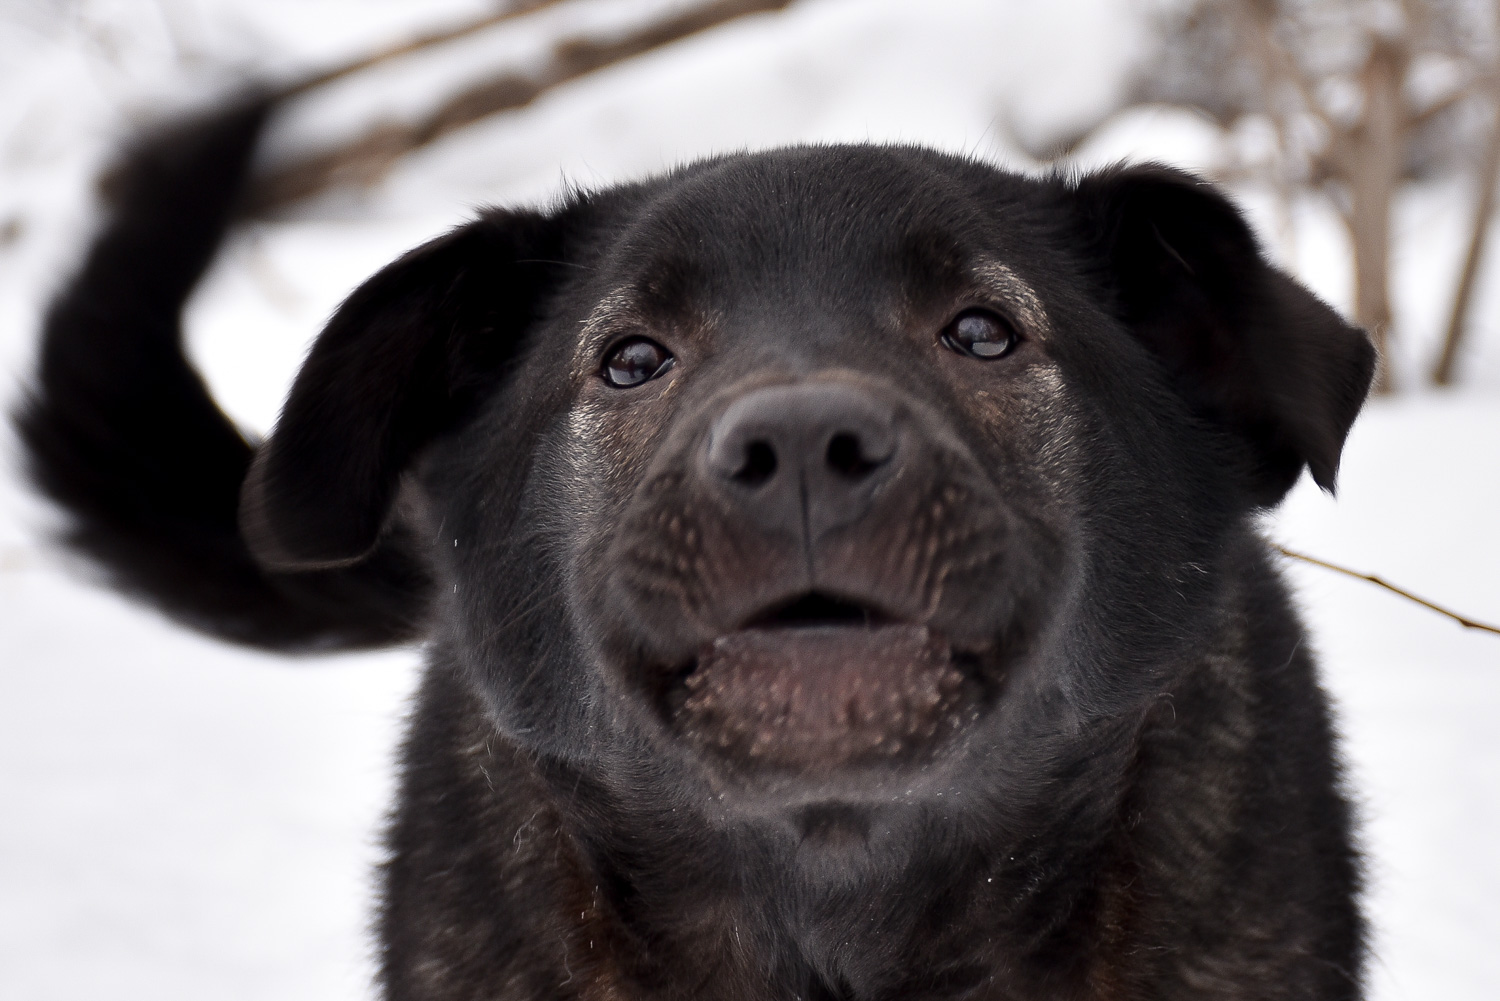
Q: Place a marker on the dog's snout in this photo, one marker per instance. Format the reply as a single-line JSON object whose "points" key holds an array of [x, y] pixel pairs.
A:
{"points": [[805, 457]]}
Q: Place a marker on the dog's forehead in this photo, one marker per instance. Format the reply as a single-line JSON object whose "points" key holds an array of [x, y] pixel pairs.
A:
{"points": [[835, 231], [806, 213]]}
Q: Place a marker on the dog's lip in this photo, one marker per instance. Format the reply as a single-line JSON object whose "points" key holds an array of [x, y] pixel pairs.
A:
{"points": [[815, 696]]}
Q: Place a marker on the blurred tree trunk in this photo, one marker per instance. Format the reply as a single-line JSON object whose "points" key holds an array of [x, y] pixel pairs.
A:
{"points": [[1369, 158], [1479, 228]]}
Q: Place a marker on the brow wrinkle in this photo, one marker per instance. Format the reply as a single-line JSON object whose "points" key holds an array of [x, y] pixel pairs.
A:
{"points": [[614, 310], [1028, 305]]}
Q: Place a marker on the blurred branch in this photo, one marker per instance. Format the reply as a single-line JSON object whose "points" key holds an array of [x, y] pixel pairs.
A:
{"points": [[509, 13], [1257, 25], [1464, 621], [368, 157], [1452, 99]]}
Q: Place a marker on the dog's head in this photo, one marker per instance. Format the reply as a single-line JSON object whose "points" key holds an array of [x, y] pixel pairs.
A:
{"points": [[838, 478]]}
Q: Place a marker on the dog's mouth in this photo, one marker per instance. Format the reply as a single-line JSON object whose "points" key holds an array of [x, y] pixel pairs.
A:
{"points": [[821, 683]]}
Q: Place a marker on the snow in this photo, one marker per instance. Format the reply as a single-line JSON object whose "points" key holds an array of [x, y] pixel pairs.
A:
{"points": [[1417, 695], [182, 819], [185, 819]]}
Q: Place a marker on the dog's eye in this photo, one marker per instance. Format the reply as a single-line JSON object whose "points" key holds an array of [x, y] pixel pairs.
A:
{"points": [[981, 334], [635, 361]]}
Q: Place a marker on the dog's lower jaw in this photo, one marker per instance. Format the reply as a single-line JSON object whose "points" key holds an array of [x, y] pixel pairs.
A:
{"points": [[815, 701], [507, 880]]}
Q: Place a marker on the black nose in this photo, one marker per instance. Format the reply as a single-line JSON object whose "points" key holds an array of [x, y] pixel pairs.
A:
{"points": [[804, 458]]}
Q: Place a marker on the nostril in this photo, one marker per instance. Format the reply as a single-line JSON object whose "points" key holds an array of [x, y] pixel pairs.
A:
{"points": [[759, 465], [846, 456]]}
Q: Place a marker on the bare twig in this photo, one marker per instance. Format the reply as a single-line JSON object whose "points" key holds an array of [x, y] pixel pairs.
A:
{"points": [[366, 158], [1464, 621]]}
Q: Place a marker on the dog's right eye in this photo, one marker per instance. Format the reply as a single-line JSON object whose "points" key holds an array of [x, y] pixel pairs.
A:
{"points": [[981, 334], [634, 361]]}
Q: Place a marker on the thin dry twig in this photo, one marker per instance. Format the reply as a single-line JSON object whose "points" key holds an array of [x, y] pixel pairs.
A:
{"points": [[368, 157], [1462, 620]]}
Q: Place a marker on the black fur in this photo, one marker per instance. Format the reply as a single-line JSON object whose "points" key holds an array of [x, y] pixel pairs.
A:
{"points": [[1055, 732], [122, 433]]}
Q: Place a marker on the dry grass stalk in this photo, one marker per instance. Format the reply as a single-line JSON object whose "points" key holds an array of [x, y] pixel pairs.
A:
{"points": [[1462, 620]]}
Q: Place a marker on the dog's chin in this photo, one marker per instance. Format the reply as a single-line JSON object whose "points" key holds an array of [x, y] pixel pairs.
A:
{"points": [[813, 703]]}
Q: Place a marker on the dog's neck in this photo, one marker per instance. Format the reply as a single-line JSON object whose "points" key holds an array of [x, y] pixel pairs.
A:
{"points": [[838, 907]]}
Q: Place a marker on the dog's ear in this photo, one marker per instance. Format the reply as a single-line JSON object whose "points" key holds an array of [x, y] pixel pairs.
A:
{"points": [[1248, 347], [408, 355]]}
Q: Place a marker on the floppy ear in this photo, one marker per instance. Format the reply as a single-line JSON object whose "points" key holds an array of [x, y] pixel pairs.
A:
{"points": [[408, 355], [1248, 347]]}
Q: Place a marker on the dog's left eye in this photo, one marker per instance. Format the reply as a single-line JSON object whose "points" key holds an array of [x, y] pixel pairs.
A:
{"points": [[981, 334], [635, 361]]}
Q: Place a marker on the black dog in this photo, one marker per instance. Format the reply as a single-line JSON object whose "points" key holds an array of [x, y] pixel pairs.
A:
{"points": [[838, 564]]}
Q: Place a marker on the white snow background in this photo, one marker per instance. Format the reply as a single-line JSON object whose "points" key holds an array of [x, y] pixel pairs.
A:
{"points": [[181, 819]]}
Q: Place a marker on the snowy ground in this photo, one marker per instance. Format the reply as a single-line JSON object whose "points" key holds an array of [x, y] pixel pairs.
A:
{"points": [[181, 819]]}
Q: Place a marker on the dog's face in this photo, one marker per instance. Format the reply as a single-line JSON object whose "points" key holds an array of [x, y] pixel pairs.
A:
{"points": [[816, 494], [821, 489]]}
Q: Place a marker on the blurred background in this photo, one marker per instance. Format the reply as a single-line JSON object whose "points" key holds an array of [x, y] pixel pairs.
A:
{"points": [[183, 819]]}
